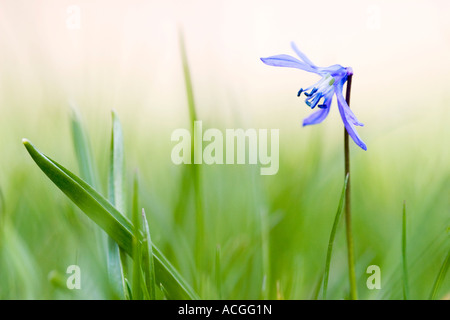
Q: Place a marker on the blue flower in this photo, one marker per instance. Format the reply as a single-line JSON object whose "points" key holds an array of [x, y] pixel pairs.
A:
{"points": [[321, 93]]}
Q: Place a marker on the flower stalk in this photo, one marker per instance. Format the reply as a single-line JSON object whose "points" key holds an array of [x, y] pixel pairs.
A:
{"points": [[348, 206], [321, 95]]}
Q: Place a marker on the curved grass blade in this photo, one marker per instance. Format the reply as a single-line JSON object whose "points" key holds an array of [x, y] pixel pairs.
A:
{"points": [[116, 256], [137, 261], [148, 263], [317, 287], [199, 210], [116, 166], [332, 236], [82, 149], [405, 268], [440, 277], [86, 166], [110, 220]]}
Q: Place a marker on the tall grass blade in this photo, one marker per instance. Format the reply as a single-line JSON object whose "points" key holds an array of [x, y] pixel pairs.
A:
{"points": [[404, 261], [86, 166], [117, 166], [317, 287], [332, 236], [187, 80], [137, 259], [199, 218], [440, 277], [104, 214], [116, 256], [148, 264], [83, 149]]}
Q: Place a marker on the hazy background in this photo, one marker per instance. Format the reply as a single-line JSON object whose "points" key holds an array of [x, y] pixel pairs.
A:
{"points": [[125, 55]]}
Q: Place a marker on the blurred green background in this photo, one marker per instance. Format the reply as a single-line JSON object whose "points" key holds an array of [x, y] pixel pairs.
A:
{"points": [[272, 230]]}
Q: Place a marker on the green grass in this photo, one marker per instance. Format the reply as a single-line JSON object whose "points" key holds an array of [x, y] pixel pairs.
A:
{"points": [[113, 222], [213, 232], [332, 236], [299, 219]]}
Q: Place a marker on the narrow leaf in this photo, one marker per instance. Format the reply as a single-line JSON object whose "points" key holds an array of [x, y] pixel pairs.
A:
{"points": [[332, 236], [82, 149], [116, 258], [110, 220], [440, 277], [137, 265], [116, 166], [86, 166], [199, 215], [148, 264]]}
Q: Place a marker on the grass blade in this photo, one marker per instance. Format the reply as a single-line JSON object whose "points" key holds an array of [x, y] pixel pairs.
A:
{"points": [[317, 287], [137, 265], [116, 166], [440, 277], [148, 264], [187, 81], [115, 271], [405, 267], [86, 166], [332, 236], [104, 214], [116, 256], [83, 149], [199, 218]]}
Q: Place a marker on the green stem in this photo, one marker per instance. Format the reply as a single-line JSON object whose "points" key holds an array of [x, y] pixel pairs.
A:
{"points": [[348, 207]]}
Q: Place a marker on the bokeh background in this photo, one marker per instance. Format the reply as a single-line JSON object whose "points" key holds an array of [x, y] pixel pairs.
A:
{"points": [[125, 55]]}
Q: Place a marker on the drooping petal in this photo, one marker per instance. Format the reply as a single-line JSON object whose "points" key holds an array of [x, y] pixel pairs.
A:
{"points": [[320, 115], [302, 55], [284, 60], [348, 125], [316, 117], [349, 113]]}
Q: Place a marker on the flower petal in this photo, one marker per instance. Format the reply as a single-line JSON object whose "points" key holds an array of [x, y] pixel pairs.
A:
{"points": [[316, 117], [302, 55], [349, 113], [349, 126], [337, 71], [284, 60]]}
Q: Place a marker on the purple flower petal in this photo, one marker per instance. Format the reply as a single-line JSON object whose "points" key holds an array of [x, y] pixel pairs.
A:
{"points": [[284, 60], [302, 55], [348, 125], [332, 82], [316, 117], [349, 113], [335, 70]]}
